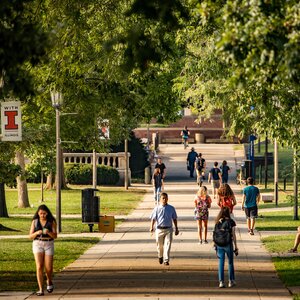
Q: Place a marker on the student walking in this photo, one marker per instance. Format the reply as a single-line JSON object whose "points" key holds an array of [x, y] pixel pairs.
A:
{"points": [[200, 166], [251, 197], [162, 167], [190, 160], [157, 183], [185, 133], [225, 243], [225, 169], [43, 232], [226, 197], [215, 178], [202, 204], [163, 215]]}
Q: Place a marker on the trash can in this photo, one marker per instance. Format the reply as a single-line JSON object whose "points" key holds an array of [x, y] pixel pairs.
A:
{"points": [[199, 138], [248, 168], [90, 204]]}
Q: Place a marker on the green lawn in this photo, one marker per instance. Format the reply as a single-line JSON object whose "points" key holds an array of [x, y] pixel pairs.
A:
{"points": [[278, 221], [17, 266], [113, 200], [288, 268]]}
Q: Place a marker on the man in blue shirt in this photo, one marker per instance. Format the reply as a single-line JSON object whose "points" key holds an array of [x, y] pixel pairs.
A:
{"points": [[190, 160], [251, 197], [163, 215]]}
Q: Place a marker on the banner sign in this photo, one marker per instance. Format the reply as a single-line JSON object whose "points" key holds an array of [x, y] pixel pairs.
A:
{"points": [[11, 121]]}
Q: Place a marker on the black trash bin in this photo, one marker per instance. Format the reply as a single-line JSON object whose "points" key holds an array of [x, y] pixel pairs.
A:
{"points": [[90, 204], [248, 169]]}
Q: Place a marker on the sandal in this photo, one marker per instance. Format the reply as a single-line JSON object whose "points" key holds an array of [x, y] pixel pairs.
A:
{"points": [[39, 293], [50, 288]]}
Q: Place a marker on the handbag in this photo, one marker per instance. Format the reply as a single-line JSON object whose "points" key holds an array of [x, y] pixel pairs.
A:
{"points": [[188, 168]]}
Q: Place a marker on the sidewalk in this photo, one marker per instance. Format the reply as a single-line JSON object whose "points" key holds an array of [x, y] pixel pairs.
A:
{"points": [[124, 264]]}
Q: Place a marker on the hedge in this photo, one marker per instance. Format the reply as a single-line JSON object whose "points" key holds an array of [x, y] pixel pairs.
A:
{"points": [[83, 174]]}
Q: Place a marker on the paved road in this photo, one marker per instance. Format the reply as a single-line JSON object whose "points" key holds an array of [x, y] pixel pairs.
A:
{"points": [[124, 263]]}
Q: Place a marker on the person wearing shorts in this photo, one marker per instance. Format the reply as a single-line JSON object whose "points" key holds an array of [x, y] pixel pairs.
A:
{"points": [[43, 232], [251, 196], [215, 178]]}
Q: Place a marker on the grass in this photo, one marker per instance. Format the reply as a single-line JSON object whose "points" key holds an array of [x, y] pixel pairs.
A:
{"points": [[113, 200], [288, 268], [20, 225], [17, 267], [277, 221]]}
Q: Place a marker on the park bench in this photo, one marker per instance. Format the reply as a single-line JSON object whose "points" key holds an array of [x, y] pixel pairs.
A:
{"points": [[267, 198]]}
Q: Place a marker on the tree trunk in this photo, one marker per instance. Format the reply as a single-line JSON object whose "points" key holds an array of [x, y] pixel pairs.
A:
{"points": [[3, 209], [23, 200], [49, 182]]}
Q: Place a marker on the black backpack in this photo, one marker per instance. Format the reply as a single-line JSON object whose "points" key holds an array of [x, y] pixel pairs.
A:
{"points": [[222, 234]]}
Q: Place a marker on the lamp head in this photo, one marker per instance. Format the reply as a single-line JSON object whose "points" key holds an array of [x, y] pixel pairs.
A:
{"points": [[56, 98]]}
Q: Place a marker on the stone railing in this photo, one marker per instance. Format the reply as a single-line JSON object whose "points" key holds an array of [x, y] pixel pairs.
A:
{"points": [[115, 160]]}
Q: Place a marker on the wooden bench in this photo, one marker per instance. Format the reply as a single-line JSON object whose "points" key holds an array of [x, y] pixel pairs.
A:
{"points": [[176, 140], [267, 198]]}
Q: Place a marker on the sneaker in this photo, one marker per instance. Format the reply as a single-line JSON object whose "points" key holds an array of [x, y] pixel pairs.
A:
{"points": [[205, 242], [231, 283], [292, 250], [200, 242], [160, 260], [166, 263], [251, 232], [221, 284]]}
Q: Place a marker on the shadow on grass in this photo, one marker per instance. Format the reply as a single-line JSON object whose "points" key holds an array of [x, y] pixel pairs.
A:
{"points": [[3, 228]]}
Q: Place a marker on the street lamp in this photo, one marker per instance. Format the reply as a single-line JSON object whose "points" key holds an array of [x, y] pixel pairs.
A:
{"points": [[57, 100]]}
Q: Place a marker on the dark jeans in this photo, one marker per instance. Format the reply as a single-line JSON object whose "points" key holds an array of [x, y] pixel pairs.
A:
{"points": [[192, 169]]}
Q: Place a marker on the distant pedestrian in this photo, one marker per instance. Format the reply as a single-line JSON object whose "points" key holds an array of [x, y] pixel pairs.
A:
{"points": [[157, 183], [163, 215], [200, 166], [225, 169], [296, 243], [225, 226], [162, 167], [191, 158], [185, 133], [215, 178], [251, 197], [202, 204], [226, 197], [43, 232]]}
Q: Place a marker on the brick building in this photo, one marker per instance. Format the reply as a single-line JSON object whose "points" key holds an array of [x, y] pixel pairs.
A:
{"points": [[208, 131]]}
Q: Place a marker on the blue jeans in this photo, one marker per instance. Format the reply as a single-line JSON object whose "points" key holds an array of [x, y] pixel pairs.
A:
{"points": [[157, 191], [221, 255]]}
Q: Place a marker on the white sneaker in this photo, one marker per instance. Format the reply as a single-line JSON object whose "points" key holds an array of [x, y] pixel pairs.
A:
{"points": [[231, 283], [221, 284]]}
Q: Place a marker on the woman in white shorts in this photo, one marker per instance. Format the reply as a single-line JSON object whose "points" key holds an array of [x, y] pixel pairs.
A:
{"points": [[43, 232]]}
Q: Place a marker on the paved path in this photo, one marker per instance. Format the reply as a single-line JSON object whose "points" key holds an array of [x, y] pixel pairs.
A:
{"points": [[124, 264]]}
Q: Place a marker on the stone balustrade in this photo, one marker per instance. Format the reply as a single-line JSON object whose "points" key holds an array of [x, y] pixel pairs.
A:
{"points": [[115, 160]]}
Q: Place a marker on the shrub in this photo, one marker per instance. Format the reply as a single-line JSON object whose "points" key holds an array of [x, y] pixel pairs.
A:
{"points": [[83, 174], [139, 158]]}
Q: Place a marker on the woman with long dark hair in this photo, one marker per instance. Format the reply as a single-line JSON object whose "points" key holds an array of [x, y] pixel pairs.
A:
{"points": [[225, 226], [43, 232]]}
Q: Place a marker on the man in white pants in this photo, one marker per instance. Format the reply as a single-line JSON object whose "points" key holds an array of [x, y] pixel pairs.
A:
{"points": [[163, 215]]}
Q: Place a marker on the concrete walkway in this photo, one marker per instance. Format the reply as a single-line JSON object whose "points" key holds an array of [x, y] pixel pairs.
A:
{"points": [[124, 264]]}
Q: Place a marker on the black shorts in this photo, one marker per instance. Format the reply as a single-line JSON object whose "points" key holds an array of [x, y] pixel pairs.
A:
{"points": [[251, 212]]}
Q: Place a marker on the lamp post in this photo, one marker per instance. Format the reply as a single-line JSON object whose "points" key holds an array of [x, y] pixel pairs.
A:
{"points": [[57, 99]]}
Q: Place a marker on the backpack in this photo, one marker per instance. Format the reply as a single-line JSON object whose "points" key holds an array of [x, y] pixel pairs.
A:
{"points": [[222, 235], [200, 163]]}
